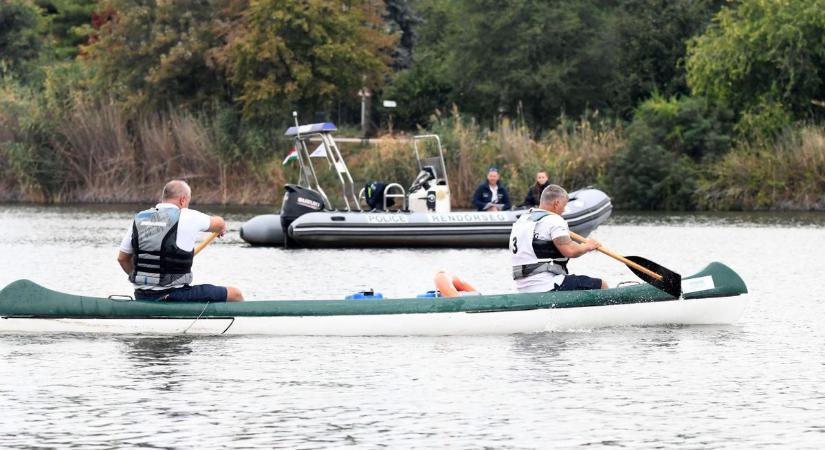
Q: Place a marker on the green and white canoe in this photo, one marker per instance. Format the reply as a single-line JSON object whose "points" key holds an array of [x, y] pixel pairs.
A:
{"points": [[712, 296]]}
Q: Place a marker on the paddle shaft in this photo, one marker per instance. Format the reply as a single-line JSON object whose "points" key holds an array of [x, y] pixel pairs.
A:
{"points": [[621, 258], [205, 242]]}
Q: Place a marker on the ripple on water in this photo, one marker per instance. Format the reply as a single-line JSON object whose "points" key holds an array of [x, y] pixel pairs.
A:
{"points": [[754, 384]]}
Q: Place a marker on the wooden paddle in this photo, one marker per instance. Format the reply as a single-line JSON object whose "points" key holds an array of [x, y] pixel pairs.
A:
{"points": [[658, 276], [205, 242]]}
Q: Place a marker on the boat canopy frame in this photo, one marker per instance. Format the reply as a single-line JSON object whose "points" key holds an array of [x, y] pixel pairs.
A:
{"points": [[308, 178]]}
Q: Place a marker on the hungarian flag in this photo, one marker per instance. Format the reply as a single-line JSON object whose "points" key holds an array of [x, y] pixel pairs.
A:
{"points": [[292, 156]]}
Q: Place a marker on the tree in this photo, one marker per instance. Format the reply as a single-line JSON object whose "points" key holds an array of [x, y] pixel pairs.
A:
{"points": [[20, 34], [160, 53], [305, 55], [69, 24], [666, 140], [651, 37], [425, 86], [761, 56], [552, 57], [402, 20]]}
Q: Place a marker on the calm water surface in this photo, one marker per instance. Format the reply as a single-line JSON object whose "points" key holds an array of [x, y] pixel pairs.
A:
{"points": [[757, 384]]}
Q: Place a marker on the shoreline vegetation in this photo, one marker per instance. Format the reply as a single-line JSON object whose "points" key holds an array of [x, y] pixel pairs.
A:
{"points": [[95, 155], [681, 106]]}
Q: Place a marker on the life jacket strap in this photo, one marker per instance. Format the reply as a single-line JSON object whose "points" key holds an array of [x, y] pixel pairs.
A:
{"points": [[527, 270]]}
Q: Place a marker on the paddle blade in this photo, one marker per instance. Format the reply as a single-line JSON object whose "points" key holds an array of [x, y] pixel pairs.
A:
{"points": [[671, 281]]}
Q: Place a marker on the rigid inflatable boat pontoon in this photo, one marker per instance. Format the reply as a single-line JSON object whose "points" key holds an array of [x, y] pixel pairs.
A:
{"points": [[423, 218]]}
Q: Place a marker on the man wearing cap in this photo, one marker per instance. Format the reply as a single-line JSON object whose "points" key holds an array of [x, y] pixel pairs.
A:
{"points": [[491, 195]]}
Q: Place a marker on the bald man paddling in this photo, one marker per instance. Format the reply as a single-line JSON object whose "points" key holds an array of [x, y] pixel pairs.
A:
{"points": [[158, 250]]}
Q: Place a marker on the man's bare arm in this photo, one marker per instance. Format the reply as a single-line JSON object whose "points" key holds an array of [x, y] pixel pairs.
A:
{"points": [[125, 261], [572, 249]]}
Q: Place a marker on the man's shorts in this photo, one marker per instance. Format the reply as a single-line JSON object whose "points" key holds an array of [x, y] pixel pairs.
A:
{"points": [[197, 293], [579, 283]]}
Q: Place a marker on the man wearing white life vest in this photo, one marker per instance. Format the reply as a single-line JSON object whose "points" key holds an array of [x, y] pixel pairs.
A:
{"points": [[158, 250], [541, 246]]}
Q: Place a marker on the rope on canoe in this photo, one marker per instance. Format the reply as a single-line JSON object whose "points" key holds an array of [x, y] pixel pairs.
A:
{"points": [[196, 318]]}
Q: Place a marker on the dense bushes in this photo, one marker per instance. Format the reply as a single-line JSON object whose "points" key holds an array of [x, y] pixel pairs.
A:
{"points": [[787, 174], [667, 140]]}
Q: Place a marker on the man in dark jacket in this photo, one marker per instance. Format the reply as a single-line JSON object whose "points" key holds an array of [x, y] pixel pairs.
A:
{"points": [[491, 195]]}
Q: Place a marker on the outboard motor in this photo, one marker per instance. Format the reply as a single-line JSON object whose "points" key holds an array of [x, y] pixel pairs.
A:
{"points": [[298, 201]]}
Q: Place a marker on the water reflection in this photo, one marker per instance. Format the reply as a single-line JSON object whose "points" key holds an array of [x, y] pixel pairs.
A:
{"points": [[156, 351], [734, 218]]}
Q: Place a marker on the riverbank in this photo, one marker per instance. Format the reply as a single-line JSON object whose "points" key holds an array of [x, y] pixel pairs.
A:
{"points": [[98, 155]]}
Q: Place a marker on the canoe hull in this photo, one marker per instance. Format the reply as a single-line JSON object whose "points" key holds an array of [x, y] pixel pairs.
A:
{"points": [[708, 311], [712, 296]]}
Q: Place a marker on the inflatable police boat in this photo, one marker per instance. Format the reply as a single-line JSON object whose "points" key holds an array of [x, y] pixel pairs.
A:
{"points": [[422, 216]]}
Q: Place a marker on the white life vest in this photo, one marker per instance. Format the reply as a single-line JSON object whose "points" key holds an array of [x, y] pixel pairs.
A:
{"points": [[532, 255]]}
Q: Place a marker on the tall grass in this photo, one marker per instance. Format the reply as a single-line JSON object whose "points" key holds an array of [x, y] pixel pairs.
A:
{"points": [[575, 155], [88, 151], [92, 152], [786, 175]]}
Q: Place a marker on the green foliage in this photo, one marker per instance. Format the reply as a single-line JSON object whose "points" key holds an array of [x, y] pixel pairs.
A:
{"points": [[544, 59], [69, 25], [763, 121], [534, 63], [687, 126], [26, 132], [156, 54], [657, 169], [20, 35], [307, 55], [402, 21], [648, 177], [419, 92], [786, 173], [762, 53], [651, 38], [238, 142]]}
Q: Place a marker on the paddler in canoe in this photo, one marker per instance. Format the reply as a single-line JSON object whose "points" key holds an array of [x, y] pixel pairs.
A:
{"points": [[159, 247], [541, 245]]}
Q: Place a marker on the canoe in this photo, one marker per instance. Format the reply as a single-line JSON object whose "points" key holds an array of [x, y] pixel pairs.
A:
{"points": [[711, 296]]}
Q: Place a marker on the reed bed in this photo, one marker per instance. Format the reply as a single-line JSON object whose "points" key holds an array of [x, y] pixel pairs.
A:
{"points": [[786, 175], [575, 155], [92, 152]]}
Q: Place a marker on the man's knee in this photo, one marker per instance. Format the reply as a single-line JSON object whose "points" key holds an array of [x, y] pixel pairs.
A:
{"points": [[604, 284], [233, 294]]}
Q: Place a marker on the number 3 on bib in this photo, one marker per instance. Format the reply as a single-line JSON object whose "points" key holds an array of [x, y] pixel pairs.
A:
{"points": [[514, 245]]}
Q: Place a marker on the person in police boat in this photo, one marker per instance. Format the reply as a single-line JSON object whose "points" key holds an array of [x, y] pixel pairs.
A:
{"points": [[531, 200], [491, 195], [158, 250], [541, 246]]}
